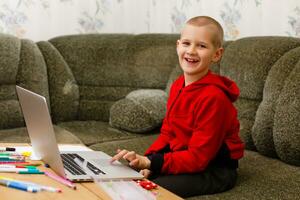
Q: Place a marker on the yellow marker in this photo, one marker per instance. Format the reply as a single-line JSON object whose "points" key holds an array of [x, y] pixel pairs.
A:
{"points": [[26, 153], [5, 178]]}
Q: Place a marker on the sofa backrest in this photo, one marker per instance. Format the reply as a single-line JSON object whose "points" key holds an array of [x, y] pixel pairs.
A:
{"points": [[21, 63], [88, 73], [267, 71]]}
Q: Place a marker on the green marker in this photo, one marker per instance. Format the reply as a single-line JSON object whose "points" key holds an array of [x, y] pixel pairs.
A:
{"points": [[30, 172], [30, 167]]}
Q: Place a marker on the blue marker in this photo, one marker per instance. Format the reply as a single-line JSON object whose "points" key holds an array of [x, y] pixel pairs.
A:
{"points": [[18, 185]]}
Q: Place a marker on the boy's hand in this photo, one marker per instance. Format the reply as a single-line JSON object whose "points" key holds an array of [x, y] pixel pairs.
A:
{"points": [[135, 160], [145, 172]]}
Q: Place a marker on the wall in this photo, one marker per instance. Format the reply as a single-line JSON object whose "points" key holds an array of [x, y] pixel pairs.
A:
{"points": [[44, 19]]}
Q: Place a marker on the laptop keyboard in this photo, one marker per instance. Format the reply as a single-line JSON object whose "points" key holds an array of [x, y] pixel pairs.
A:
{"points": [[74, 168]]}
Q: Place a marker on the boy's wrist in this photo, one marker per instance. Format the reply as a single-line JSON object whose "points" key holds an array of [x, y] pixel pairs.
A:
{"points": [[156, 162], [147, 162]]}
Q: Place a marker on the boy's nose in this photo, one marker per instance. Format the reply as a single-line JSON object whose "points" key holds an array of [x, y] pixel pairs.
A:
{"points": [[191, 49]]}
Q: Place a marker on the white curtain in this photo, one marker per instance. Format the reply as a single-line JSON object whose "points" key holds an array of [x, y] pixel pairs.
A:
{"points": [[45, 19]]}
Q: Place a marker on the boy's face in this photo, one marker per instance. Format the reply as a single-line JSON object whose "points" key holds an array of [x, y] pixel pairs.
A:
{"points": [[196, 51]]}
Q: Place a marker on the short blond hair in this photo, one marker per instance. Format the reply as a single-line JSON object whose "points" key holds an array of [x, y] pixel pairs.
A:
{"points": [[204, 21]]}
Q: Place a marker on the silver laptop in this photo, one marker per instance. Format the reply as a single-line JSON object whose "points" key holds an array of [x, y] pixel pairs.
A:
{"points": [[65, 164]]}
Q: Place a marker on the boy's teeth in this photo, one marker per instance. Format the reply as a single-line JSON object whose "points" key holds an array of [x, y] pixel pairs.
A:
{"points": [[191, 60]]}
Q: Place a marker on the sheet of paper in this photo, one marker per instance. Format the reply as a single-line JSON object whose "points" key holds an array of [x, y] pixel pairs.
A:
{"points": [[125, 190], [70, 147], [61, 147], [21, 149]]}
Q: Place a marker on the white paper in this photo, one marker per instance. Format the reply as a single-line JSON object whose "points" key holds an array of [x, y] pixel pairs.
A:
{"points": [[125, 190], [70, 147], [21, 149], [61, 147]]}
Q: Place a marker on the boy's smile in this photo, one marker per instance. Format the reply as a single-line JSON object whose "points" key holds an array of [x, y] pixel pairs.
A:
{"points": [[196, 51]]}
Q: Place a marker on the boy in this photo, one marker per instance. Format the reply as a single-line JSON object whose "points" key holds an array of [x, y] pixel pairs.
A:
{"points": [[199, 146]]}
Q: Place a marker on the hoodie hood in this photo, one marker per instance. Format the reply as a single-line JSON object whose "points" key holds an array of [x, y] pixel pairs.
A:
{"points": [[226, 85]]}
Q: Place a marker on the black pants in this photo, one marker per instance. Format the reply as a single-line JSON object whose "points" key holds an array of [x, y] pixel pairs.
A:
{"points": [[214, 179]]}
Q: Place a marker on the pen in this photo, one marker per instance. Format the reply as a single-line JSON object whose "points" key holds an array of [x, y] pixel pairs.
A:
{"points": [[61, 180], [18, 185], [7, 149]]}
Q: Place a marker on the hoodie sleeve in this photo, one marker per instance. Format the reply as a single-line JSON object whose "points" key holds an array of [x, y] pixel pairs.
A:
{"points": [[211, 123], [162, 141]]}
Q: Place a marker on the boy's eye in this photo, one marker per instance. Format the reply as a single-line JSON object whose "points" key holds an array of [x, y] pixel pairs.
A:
{"points": [[202, 46], [185, 43]]}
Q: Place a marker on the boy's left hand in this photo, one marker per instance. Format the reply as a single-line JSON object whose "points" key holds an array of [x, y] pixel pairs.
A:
{"points": [[135, 160]]}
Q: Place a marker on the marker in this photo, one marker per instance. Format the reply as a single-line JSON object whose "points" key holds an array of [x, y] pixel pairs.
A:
{"points": [[28, 167], [18, 170], [26, 153], [18, 185], [39, 187], [28, 164], [7, 149], [11, 166], [30, 172], [49, 189], [12, 158], [12, 153], [61, 180], [32, 164], [6, 154], [14, 162]]}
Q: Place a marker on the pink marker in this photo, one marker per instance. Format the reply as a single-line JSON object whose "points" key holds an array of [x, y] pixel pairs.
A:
{"points": [[61, 180]]}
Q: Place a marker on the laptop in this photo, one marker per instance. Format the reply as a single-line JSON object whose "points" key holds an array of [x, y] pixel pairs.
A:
{"points": [[65, 163]]}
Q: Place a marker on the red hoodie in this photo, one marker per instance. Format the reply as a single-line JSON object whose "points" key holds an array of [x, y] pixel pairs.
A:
{"points": [[200, 118]]}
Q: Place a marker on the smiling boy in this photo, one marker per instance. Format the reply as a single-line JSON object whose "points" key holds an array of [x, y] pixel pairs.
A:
{"points": [[200, 45], [198, 149]]}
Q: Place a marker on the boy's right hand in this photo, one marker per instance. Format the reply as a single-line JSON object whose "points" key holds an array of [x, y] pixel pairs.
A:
{"points": [[146, 173], [135, 160]]}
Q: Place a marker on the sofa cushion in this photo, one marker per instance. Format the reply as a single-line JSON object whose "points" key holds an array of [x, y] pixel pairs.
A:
{"points": [[246, 114], [62, 85], [287, 120], [261, 177], [21, 63], [247, 61], [138, 144], [108, 66], [140, 111], [93, 132], [262, 131], [175, 73]]}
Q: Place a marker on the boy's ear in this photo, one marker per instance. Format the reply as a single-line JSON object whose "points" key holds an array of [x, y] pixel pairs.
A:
{"points": [[177, 44], [218, 54]]}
